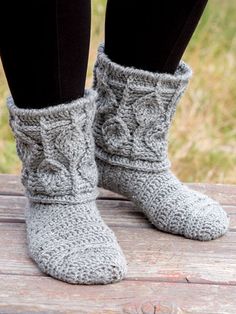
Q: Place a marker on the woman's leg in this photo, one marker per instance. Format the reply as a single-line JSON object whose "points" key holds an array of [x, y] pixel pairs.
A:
{"points": [[135, 109], [150, 35], [44, 49], [66, 235]]}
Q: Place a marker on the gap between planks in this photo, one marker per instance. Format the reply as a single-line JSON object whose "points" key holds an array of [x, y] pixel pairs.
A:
{"points": [[136, 279]]}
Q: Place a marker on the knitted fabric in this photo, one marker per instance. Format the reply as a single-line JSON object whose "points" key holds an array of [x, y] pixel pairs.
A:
{"points": [[134, 113], [66, 235]]}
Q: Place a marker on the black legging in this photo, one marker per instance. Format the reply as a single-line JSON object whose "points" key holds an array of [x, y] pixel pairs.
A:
{"points": [[44, 44]]}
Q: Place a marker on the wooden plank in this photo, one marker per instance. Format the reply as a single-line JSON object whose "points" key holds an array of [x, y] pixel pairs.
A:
{"points": [[115, 212], [225, 194], [45, 295], [11, 185], [155, 256]]}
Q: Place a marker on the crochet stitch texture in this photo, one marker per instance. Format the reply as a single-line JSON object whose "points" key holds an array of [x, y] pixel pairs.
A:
{"points": [[134, 113], [66, 235]]}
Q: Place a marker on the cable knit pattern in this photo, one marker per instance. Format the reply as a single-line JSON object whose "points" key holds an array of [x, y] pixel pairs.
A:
{"points": [[134, 113], [66, 235]]}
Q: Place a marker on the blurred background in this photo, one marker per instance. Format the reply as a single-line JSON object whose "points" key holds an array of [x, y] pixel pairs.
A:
{"points": [[203, 136]]}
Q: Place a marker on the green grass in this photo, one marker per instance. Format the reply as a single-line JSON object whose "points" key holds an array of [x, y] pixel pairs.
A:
{"points": [[203, 136]]}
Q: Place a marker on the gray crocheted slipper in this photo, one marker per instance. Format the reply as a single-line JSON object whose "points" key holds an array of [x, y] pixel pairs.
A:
{"points": [[66, 235], [134, 113]]}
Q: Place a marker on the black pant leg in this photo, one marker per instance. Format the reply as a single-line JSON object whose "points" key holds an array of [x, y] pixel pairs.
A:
{"points": [[44, 49], [151, 34]]}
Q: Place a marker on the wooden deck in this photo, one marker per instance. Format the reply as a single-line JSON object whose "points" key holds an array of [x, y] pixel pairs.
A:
{"points": [[167, 274]]}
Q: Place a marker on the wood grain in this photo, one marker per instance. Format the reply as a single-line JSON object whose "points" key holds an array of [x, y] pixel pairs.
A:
{"points": [[167, 273], [46, 295]]}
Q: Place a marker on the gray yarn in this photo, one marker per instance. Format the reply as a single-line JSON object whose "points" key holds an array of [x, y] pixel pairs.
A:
{"points": [[134, 113], [66, 235]]}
